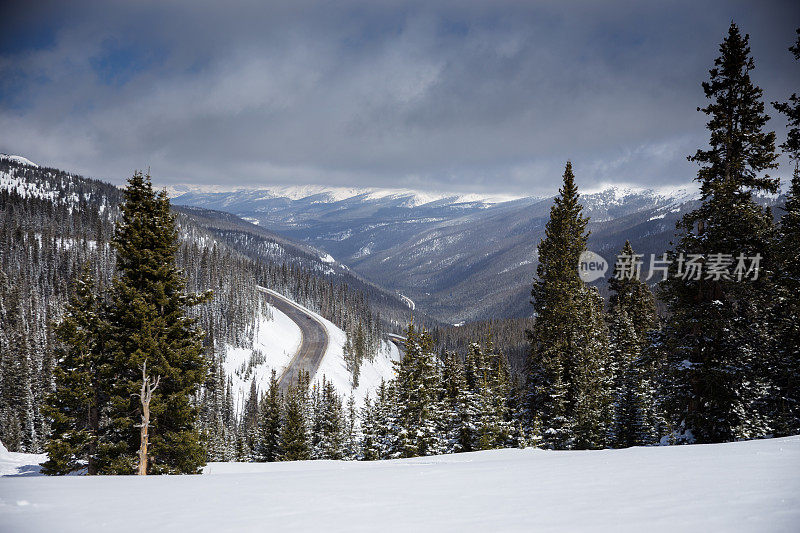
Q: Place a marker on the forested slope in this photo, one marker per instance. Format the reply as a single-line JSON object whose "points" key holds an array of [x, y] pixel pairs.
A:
{"points": [[52, 223]]}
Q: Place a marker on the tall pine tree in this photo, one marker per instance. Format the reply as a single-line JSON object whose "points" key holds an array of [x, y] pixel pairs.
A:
{"points": [[567, 367], [716, 338], [786, 312], [148, 322]]}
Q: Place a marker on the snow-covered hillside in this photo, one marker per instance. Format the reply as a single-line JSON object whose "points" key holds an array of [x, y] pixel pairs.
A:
{"points": [[276, 339], [743, 486], [19, 159]]}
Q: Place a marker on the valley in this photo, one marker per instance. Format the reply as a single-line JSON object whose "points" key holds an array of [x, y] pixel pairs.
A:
{"points": [[460, 258]]}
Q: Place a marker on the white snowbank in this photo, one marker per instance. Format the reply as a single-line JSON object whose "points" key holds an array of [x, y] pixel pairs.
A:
{"points": [[19, 464], [743, 486], [334, 368]]}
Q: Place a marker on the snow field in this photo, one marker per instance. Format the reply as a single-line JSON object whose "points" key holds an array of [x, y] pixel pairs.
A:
{"points": [[743, 486]]}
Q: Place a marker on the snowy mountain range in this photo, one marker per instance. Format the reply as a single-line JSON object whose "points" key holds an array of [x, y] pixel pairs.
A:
{"points": [[446, 250], [328, 194]]}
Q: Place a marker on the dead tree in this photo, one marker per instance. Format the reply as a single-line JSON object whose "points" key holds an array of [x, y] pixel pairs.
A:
{"points": [[145, 395]]}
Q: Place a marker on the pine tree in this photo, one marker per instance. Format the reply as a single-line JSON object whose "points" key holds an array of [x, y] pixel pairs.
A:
{"points": [[716, 338], [591, 375], [271, 422], [81, 375], [453, 391], [328, 422], [632, 295], [498, 419], [631, 319], [786, 311], [148, 322], [468, 401], [249, 424], [389, 430], [630, 419], [567, 365], [417, 385], [350, 436], [15, 393], [295, 445], [370, 444]]}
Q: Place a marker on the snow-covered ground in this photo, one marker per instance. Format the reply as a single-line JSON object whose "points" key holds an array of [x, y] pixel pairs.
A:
{"points": [[744, 486], [19, 464]]}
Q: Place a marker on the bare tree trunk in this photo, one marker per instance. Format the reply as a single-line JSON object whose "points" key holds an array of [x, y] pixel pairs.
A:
{"points": [[145, 395]]}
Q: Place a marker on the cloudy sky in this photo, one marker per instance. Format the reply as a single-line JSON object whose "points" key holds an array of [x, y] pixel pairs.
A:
{"points": [[456, 96]]}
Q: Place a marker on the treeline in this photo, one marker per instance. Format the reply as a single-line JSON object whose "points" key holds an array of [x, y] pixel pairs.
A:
{"points": [[509, 337], [433, 406]]}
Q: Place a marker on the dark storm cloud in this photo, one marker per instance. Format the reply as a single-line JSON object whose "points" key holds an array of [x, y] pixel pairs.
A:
{"points": [[483, 96]]}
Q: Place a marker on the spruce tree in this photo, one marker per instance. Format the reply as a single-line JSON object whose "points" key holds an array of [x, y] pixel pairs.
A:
{"points": [[329, 423], [370, 445], [630, 425], [148, 322], [295, 445], [567, 365], [391, 438], [271, 422], [81, 376], [716, 338], [632, 295], [468, 401], [350, 447], [453, 391], [591, 374], [631, 319], [249, 423], [786, 311], [417, 396]]}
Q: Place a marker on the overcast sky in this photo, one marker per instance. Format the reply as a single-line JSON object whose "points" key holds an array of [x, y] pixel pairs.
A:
{"points": [[454, 96]]}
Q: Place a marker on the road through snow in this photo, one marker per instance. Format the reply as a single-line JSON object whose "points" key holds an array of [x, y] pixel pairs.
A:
{"points": [[314, 341]]}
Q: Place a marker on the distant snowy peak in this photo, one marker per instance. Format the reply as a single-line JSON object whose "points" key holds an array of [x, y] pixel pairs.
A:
{"points": [[620, 192], [326, 194], [611, 194], [19, 159]]}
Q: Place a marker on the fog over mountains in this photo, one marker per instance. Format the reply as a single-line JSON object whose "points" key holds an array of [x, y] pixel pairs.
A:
{"points": [[459, 257]]}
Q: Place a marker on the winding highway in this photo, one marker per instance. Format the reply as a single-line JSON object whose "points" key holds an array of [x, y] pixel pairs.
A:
{"points": [[313, 343]]}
